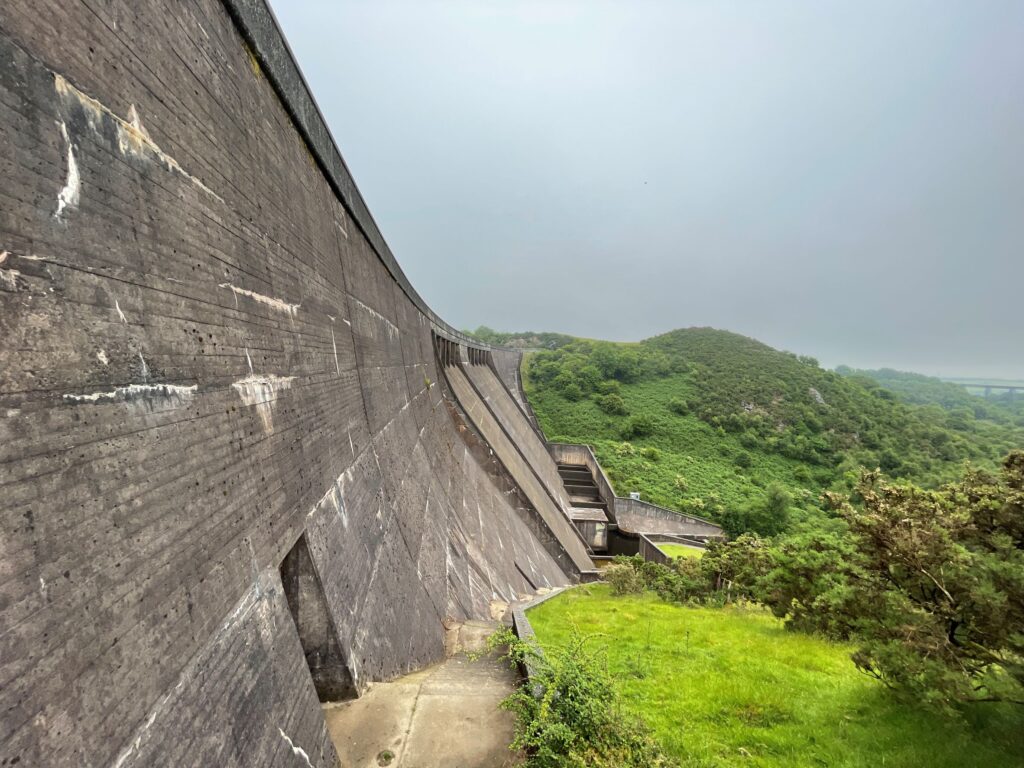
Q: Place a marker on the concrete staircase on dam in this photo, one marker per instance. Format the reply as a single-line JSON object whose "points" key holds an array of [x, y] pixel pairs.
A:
{"points": [[589, 508], [580, 485]]}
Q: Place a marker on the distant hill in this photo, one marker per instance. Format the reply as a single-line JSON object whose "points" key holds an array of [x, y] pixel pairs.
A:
{"points": [[709, 421], [919, 389]]}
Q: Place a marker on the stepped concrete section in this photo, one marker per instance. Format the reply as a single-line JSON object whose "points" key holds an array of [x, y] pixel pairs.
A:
{"points": [[525, 476], [517, 426], [226, 456], [508, 370]]}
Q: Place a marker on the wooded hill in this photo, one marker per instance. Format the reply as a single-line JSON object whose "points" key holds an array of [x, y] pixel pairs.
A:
{"points": [[715, 423]]}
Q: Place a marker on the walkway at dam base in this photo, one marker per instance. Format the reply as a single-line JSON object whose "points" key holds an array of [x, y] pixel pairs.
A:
{"points": [[444, 716]]}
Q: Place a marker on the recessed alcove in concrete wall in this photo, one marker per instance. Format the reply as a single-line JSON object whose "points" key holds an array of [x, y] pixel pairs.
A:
{"points": [[327, 662]]}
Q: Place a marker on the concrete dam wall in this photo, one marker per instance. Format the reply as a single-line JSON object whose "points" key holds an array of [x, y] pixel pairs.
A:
{"points": [[235, 476]]}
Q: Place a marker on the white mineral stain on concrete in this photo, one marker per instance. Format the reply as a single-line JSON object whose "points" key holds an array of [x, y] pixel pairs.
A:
{"points": [[68, 196], [334, 344], [335, 496], [132, 138], [133, 392], [391, 327], [102, 357], [136, 122], [9, 277], [120, 313], [297, 751], [270, 301], [262, 391]]}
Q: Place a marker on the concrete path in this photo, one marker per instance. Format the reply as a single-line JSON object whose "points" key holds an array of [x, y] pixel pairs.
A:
{"points": [[445, 715]]}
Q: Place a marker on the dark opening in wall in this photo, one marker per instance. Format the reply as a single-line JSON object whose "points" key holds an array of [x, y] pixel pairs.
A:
{"points": [[308, 606]]}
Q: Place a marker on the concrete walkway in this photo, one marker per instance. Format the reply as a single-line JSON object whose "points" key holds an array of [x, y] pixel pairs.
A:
{"points": [[445, 715]]}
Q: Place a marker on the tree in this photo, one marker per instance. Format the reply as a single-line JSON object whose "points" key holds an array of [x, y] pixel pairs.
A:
{"points": [[767, 517], [940, 602], [736, 568]]}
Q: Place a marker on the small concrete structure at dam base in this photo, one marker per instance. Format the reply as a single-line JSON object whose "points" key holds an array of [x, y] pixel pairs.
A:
{"points": [[246, 468]]}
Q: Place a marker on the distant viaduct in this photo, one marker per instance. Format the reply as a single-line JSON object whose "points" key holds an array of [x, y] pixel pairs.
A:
{"points": [[244, 466]]}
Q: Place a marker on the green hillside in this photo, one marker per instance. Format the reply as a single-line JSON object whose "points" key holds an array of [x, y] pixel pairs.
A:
{"points": [[719, 424]]}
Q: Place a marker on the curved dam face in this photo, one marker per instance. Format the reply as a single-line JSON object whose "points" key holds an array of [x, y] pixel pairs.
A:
{"points": [[234, 472]]}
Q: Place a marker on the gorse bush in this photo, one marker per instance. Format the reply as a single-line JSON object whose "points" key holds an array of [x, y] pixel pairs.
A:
{"points": [[938, 594], [728, 571], [570, 714]]}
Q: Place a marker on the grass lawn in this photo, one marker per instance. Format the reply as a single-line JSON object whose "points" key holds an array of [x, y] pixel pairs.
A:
{"points": [[724, 687], [681, 550]]}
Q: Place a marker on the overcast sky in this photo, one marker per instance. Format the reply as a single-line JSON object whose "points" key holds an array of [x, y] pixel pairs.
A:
{"points": [[840, 179]]}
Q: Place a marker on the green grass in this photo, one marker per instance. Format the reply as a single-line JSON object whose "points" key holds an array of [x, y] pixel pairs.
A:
{"points": [[680, 550], [731, 687]]}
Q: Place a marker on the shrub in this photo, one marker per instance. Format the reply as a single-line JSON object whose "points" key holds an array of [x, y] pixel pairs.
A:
{"points": [[749, 439], [694, 506], [651, 454], [609, 387], [769, 516], [613, 404], [623, 579], [678, 405], [572, 391], [625, 449], [638, 426], [743, 460], [681, 484], [571, 715]]}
